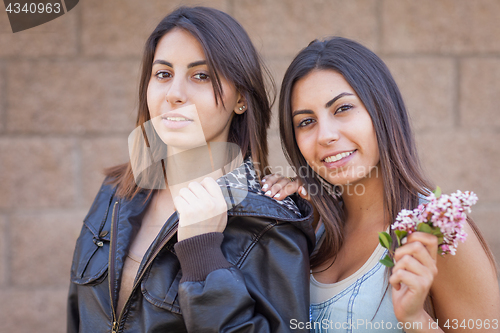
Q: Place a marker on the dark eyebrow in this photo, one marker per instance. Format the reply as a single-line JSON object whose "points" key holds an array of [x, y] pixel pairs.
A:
{"points": [[193, 64], [330, 102], [197, 63], [327, 105], [162, 62], [297, 112]]}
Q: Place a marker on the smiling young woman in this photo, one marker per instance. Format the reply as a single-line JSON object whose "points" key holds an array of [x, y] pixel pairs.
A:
{"points": [[339, 145], [345, 129], [165, 248]]}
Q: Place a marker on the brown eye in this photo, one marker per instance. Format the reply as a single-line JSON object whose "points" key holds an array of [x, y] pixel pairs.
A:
{"points": [[343, 108], [163, 75], [305, 122], [201, 76]]}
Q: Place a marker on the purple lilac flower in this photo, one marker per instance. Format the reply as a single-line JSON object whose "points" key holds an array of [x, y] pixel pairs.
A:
{"points": [[447, 212]]}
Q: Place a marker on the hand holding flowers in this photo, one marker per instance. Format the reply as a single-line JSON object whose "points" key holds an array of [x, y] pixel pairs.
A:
{"points": [[443, 216], [434, 227], [412, 277]]}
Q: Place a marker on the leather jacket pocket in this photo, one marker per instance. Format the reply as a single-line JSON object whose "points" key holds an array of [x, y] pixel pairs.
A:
{"points": [[160, 284], [90, 260]]}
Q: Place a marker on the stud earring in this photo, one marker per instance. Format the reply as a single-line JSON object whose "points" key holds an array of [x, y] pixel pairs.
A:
{"points": [[242, 108]]}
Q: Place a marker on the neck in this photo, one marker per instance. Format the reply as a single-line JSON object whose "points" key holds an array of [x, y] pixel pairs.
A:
{"points": [[193, 165], [163, 201], [364, 204]]}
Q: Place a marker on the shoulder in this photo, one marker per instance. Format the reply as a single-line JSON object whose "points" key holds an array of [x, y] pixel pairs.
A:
{"points": [[90, 257], [470, 255], [260, 216], [471, 272], [101, 203]]}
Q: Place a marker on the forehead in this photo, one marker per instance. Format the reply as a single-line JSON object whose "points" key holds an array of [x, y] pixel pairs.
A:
{"points": [[180, 45], [319, 84], [322, 80]]}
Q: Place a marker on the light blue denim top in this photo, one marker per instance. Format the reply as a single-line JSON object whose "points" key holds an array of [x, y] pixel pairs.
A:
{"points": [[360, 307]]}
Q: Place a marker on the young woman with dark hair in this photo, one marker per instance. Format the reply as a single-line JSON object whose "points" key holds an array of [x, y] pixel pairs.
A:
{"points": [[345, 130], [182, 239]]}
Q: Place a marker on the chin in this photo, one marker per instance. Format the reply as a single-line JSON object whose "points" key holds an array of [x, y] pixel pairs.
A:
{"points": [[181, 144], [178, 138]]}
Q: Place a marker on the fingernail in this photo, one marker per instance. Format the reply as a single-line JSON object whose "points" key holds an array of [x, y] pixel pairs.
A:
{"points": [[277, 195], [268, 193], [265, 187], [303, 191]]}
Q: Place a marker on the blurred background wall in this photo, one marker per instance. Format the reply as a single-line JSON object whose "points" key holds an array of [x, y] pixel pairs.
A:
{"points": [[68, 101]]}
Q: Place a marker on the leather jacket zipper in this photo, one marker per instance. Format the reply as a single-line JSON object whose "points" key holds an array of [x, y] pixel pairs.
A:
{"points": [[112, 253], [111, 267], [169, 234]]}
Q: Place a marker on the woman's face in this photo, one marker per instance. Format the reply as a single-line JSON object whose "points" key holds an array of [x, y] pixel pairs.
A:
{"points": [[333, 129], [181, 98]]}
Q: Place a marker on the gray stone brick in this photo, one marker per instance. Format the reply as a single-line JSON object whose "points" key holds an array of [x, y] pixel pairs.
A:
{"points": [[42, 246], [72, 97], [36, 173], [445, 26], [281, 28], [54, 38], [27, 311], [119, 28], [427, 86], [480, 93]]}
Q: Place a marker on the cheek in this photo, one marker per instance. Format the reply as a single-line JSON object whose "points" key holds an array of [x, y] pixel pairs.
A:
{"points": [[151, 100], [306, 145]]}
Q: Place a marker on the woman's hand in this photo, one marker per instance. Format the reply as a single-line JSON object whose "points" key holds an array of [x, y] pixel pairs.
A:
{"points": [[202, 209], [412, 277], [279, 187]]}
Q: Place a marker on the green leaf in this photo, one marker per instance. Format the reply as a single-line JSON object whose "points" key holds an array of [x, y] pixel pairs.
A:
{"points": [[387, 261], [437, 192], [424, 227], [436, 231], [400, 234], [385, 239]]}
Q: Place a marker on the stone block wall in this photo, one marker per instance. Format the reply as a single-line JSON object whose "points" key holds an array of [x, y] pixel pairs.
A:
{"points": [[68, 98]]}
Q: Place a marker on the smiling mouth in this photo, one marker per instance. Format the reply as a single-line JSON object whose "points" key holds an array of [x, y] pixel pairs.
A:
{"points": [[177, 119], [338, 157]]}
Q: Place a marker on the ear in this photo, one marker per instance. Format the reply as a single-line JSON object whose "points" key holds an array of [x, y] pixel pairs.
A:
{"points": [[241, 105]]}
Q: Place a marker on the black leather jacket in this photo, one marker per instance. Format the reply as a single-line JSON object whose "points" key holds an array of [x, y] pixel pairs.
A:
{"points": [[265, 287]]}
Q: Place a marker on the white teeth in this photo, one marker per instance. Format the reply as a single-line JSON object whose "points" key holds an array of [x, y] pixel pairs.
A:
{"points": [[177, 119], [337, 157]]}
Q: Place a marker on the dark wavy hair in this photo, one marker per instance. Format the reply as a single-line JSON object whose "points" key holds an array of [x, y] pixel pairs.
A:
{"points": [[370, 78], [230, 54]]}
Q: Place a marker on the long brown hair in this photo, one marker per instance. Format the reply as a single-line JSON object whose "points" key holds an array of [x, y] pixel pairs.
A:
{"points": [[402, 175], [229, 53]]}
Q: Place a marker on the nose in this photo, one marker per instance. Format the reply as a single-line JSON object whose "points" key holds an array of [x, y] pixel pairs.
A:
{"points": [[176, 93], [328, 132]]}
